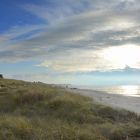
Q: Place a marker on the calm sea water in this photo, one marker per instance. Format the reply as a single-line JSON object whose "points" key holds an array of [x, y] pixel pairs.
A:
{"points": [[126, 90]]}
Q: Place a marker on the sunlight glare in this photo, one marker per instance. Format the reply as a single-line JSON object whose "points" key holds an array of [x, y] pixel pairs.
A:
{"points": [[130, 90], [122, 56]]}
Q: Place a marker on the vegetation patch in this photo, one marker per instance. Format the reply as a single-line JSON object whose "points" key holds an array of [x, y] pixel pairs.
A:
{"points": [[37, 111]]}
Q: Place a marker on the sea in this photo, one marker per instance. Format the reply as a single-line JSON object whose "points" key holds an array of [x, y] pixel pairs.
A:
{"points": [[126, 90]]}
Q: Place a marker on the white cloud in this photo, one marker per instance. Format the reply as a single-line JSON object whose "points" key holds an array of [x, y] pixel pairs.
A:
{"points": [[76, 35], [96, 60]]}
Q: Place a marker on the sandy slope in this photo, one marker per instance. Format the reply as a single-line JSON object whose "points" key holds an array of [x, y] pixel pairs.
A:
{"points": [[114, 100]]}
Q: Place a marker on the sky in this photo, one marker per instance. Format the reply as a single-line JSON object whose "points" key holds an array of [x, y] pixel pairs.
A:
{"points": [[80, 42]]}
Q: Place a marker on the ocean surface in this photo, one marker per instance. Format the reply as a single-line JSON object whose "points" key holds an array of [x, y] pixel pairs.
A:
{"points": [[126, 90]]}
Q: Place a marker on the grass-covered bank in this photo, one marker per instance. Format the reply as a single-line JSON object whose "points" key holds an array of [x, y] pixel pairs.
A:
{"points": [[35, 111]]}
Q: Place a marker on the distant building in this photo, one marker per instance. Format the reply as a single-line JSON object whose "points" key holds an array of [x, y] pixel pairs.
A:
{"points": [[1, 76]]}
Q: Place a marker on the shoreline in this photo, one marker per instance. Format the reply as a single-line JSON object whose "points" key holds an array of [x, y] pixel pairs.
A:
{"points": [[114, 100]]}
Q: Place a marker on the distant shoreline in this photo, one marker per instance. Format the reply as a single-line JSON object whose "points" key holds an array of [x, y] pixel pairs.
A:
{"points": [[114, 100]]}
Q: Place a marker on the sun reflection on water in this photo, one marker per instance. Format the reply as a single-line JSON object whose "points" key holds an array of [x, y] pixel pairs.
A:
{"points": [[126, 90], [129, 90]]}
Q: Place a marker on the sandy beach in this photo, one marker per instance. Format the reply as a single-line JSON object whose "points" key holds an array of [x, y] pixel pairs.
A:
{"points": [[114, 100]]}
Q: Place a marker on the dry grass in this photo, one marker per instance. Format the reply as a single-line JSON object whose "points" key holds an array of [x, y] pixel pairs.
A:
{"points": [[35, 111]]}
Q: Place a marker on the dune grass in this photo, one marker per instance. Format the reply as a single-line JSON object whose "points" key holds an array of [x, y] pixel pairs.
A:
{"points": [[36, 111]]}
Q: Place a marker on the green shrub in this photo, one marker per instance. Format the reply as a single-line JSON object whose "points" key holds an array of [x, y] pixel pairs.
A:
{"points": [[29, 97], [15, 128]]}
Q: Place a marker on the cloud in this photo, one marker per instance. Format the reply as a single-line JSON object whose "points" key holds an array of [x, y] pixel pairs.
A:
{"points": [[116, 77], [75, 35], [96, 60]]}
